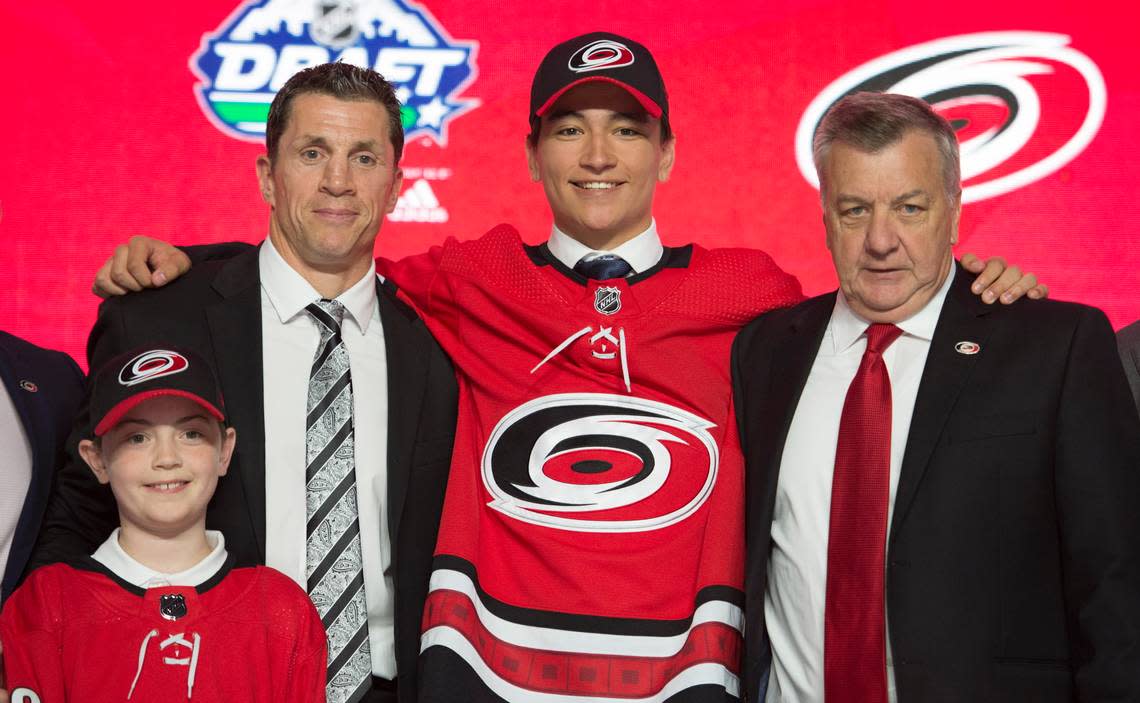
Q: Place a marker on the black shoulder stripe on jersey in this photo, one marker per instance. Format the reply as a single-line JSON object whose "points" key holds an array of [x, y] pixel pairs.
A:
{"points": [[671, 258], [587, 623], [88, 563]]}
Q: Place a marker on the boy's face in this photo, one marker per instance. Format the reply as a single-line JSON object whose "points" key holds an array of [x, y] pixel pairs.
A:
{"points": [[163, 461]]}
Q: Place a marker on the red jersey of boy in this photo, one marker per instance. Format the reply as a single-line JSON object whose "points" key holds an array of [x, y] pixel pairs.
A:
{"points": [[82, 634], [592, 543]]}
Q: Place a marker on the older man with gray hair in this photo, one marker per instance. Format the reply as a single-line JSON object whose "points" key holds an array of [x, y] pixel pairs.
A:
{"points": [[941, 494]]}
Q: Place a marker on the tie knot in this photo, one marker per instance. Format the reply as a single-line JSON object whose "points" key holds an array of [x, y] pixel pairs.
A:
{"points": [[880, 335], [328, 314], [604, 267]]}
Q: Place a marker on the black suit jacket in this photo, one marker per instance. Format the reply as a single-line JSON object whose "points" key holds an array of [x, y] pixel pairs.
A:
{"points": [[1128, 342], [45, 387], [1013, 558], [216, 310]]}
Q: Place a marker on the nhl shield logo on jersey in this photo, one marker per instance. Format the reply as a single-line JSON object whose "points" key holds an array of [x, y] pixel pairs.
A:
{"points": [[607, 299], [594, 462], [243, 64]]}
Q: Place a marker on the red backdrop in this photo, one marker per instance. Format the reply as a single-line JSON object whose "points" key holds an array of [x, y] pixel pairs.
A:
{"points": [[105, 134]]}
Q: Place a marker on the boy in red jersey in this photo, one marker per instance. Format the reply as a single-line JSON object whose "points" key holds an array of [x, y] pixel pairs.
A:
{"points": [[158, 612]]}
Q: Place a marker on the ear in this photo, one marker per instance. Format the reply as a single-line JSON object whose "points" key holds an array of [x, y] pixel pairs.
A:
{"points": [[957, 215], [668, 152], [265, 178], [394, 195], [532, 162], [93, 456], [229, 441]]}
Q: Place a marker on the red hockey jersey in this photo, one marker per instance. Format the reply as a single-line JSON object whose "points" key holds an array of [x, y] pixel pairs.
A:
{"points": [[83, 635], [592, 543]]}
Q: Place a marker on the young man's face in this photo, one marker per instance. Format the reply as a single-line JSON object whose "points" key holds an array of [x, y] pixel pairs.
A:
{"points": [[599, 157], [163, 461], [332, 182]]}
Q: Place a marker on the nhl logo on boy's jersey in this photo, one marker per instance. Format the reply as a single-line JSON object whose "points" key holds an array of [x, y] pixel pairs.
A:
{"points": [[607, 300], [172, 606]]}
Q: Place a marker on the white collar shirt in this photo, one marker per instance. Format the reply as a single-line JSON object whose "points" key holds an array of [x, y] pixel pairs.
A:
{"points": [[289, 343], [797, 565], [641, 253], [112, 555]]}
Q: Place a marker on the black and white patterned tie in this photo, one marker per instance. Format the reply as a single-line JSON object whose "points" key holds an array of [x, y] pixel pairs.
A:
{"points": [[333, 557]]}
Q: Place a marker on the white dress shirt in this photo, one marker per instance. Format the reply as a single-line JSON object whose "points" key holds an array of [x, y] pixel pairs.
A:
{"points": [[15, 474], [641, 253], [111, 555], [289, 342], [797, 566]]}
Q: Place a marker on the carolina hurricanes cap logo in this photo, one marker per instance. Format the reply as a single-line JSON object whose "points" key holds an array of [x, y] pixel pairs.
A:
{"points": [[603, 53], [595, 462], [1024, 104], [152, 364]]}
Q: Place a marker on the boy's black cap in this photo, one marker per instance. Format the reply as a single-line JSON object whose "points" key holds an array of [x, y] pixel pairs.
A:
{"points": [[150, 372], [599, 56]]}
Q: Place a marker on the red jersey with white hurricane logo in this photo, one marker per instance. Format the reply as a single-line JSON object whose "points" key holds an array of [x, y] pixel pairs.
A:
{"points": [[592, 543], [82, 634]]}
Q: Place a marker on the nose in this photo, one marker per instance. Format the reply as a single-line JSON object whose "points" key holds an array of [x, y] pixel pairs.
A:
{"points": [[166, 453], [597, 154], [882, 237], [336, 180]]}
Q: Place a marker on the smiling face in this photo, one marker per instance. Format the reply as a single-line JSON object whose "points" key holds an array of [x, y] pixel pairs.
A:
{"points": [[330, 184], [163, 461], [599, 157], [890, 225]]}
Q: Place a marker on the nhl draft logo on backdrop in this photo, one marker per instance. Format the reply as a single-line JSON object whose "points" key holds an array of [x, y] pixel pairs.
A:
{"points": [[243, 64], [604, 53], [594, 462], [1024, 104], [150, 365], [607, 299]]}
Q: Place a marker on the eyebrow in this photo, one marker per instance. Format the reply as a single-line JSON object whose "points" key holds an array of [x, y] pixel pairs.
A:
{"points": [[317, 140]]}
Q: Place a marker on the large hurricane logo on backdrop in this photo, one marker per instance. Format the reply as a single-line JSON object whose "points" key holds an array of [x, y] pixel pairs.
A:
{"points": [[243, 64], [1024, 104]]}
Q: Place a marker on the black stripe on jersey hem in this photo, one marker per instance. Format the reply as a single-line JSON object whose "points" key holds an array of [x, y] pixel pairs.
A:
{"points": [[671, 257], [587, 623], [445, 677], [88, 563]]}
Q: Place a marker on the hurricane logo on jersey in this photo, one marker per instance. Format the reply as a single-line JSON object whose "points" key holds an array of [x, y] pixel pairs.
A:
{"points": [[1023, 104], [603, 53], [594, 462], [243, 64], [151, 365]]}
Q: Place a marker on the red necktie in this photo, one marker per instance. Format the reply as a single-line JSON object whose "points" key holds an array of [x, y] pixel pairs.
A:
{"points": [[854, 648]]}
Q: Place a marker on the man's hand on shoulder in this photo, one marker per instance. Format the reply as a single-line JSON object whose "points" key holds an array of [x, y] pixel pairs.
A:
{"points": [[141, 263], [996, 281]]}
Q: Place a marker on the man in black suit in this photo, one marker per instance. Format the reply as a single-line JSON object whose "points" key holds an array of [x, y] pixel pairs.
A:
{"points": [[1128, 342], [265, 318], [941, 494], [41, 392]]}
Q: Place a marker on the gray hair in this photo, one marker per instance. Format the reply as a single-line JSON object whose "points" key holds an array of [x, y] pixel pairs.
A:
{"points": [[344, 82], [873, 121]]}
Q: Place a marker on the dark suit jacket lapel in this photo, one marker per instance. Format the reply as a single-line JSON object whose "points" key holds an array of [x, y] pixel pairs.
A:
{"points": [[963, 319], [235, 331], [404, 348], [41, 438]]}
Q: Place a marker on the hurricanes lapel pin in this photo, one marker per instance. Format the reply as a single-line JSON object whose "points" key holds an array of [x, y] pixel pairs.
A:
{"points": [[28, 385], [967, 348]]}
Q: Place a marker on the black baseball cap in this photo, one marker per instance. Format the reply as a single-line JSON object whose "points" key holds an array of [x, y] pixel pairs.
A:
{"points": [[599, 56], [142, 374]]}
